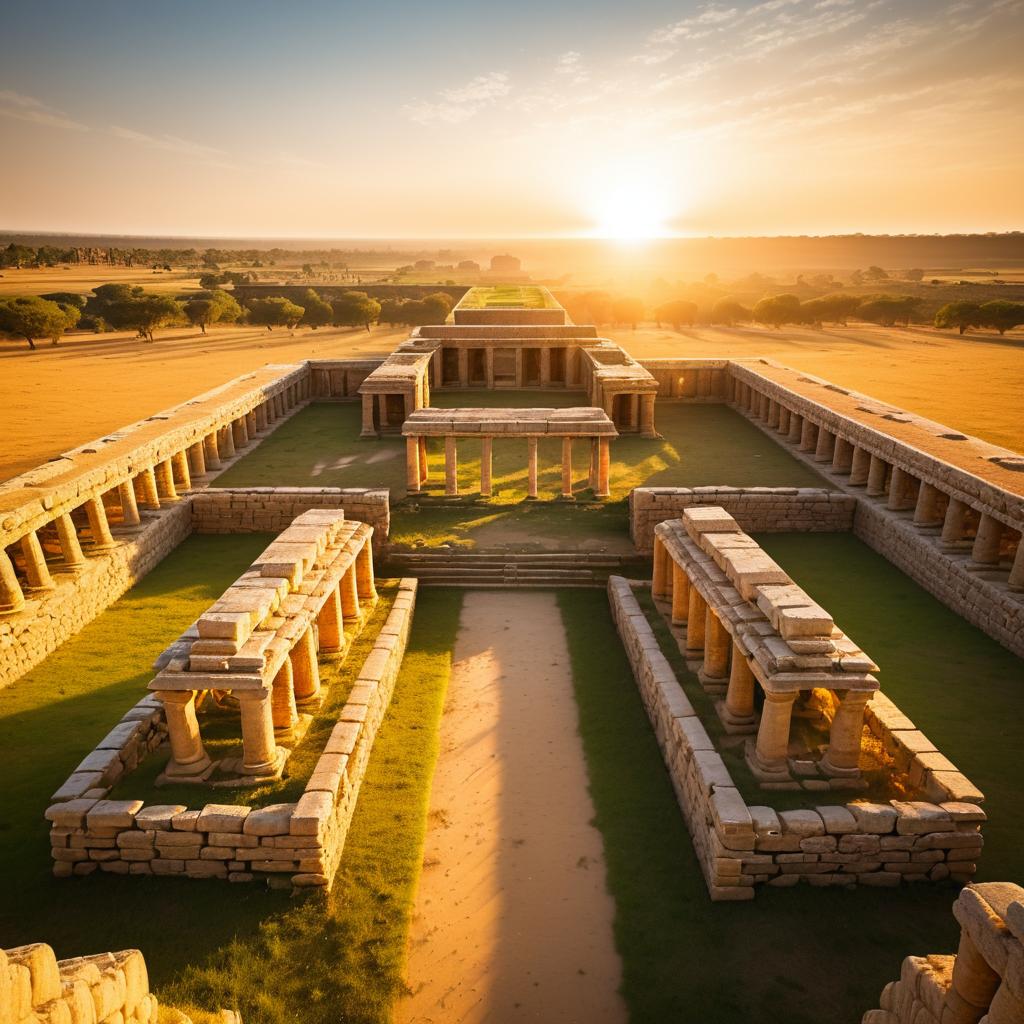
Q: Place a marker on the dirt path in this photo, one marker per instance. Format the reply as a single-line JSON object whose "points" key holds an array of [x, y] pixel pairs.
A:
{"points": [[513, 921]]}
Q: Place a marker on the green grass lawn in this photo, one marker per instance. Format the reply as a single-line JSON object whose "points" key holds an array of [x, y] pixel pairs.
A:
{"points": [[702, 445], [211, 943], [798, 955], [516, 295]]}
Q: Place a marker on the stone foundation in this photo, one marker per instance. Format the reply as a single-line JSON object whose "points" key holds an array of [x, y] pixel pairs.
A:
{"points": [[297, 843], [983, 981], [756, 509], [271, 509], [740, 847]]}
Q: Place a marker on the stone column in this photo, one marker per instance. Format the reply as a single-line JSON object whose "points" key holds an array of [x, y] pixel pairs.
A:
{"points": [[129, 507], [953, 524], [680, 594], [900, 493], [424, 467], [451, 466], [364, 574], [987, 541], [660, 571], [182, 477], [305, 670], [212, 451], [99, 528], [227, 442], [716, 648], [773, 413], [876, 477], [860, 466], [604, 458], [36, 569], [330, 625], [369, 430], [165, 481], [463, 367], [486, 460], [412, 464], [12, 599], [737, 712], [926, 511], [149, 497], [796, 427], [282, 701], [261, 415], [1016, 580], [489, 367], [772, 749], [566, 466], [842, 456], [197, 459], [647, 416], [594, 458], [437, 366], [350, 595], [73, 559], [843, 754], [808, 436], [240, 432], [520, 375], [784, 415], [545, 367], [259, 748], [825, 448], [696, 624], [531, 467], [251, 426], [188, 756]]}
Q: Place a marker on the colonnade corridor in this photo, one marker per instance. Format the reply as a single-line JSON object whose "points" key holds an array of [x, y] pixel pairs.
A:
{"points": [[513, 919]]}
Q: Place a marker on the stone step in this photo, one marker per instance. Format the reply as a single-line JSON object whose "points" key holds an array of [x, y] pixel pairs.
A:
{"points": [[425, 572]]}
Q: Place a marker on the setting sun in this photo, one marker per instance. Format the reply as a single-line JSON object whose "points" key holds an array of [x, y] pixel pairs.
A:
{"points": [[630, 203]]}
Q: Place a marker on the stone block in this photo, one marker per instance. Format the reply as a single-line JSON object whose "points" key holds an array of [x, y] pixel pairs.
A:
{"points": [[272, 820], [803, 823], [873, 818], [113, 814], [917, 817], [222, 818], [158, 816]]}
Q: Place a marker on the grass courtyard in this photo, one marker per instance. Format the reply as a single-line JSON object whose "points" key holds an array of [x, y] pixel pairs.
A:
{"points": [[518, 296], [783, 958], [701, 444]]}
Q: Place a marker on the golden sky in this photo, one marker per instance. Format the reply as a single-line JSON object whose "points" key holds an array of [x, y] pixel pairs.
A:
{"points": [[323, 119]]}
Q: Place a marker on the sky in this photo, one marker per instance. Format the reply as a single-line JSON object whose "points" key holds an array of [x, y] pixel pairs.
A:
{"points": [[251, 118]]}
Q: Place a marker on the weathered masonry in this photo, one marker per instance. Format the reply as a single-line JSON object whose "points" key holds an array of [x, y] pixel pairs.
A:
{"points": [[586, 424]]}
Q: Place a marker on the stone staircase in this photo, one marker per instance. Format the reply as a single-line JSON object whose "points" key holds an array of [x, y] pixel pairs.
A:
{"points": [[497, 568]]}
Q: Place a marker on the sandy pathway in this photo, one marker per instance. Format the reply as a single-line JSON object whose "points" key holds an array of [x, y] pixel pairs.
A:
{"points": [[513, 921]]}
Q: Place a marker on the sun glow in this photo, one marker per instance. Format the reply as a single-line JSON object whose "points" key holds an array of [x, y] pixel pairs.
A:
{"points": [[630, 205]]}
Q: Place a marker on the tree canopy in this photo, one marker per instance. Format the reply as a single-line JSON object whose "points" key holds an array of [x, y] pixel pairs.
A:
{"points": [[676, 312], [317, 312], [125, 307], [961, 315], [355, 309], [1002, 315], [274, 312], [776, 310], [628, 310], [31, 317], [211, 307], [729, 311]]}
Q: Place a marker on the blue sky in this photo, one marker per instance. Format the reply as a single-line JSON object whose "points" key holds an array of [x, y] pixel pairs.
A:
{"points": [[458, 119]]}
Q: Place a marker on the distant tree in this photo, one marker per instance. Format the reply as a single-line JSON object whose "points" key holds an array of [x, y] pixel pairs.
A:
{"points": [[889, 310], [628, 310], [729, 311], [317, 312], [274, 312], [355, 309], [66, 299], [875, 274], [836, 309], [145, 313], [961, 315], [776, 310], [211, 280], [676, 312], [211, 307], [391, 312], [31, 317], [857, 277], [914, 274], [1002, 315]]}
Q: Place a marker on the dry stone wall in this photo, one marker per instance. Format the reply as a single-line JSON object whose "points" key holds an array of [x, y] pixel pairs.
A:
{"points": [[983, 981], [296, 844], [756, 509], [740, 847], [271, 509]]}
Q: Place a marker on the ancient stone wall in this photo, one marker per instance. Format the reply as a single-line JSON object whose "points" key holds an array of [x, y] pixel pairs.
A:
{"points": [[983, 981], [298, 843], [108, 988], [49, 617], [271, 509], [339, 378], [695, 380], [756, 509], [740, 846]]}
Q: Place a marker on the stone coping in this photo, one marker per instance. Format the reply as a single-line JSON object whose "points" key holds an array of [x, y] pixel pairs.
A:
{"points": [[301, 842], [401, 370], [242, 640], [683, 363], [572, 422], [740, 846], [791, 640], [624, 374], [498, 333], [938, 454]]}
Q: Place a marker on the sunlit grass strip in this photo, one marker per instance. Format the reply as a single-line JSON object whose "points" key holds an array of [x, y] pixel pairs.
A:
{"points": [[507, 295], [339, 957]]}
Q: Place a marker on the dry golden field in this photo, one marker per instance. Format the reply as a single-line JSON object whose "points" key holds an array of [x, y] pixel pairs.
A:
{"points": [[82, 278], [59, 397]]}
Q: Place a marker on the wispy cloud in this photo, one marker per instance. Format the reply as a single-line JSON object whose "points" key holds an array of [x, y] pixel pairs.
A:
{"points": [[169, 143], [462, 102], [19, 107]]}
